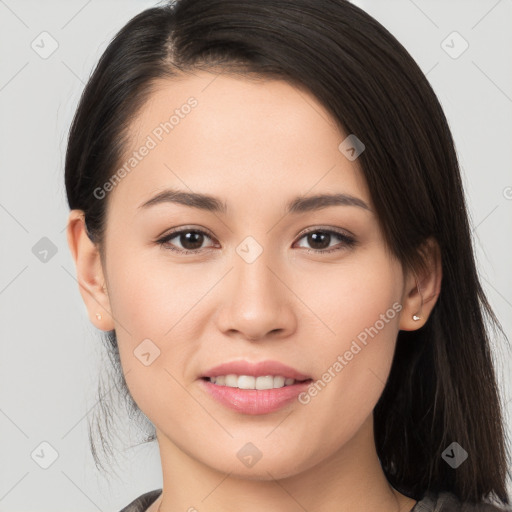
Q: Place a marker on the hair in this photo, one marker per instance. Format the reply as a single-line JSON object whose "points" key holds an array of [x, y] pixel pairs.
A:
{"points": [[442, 384]]}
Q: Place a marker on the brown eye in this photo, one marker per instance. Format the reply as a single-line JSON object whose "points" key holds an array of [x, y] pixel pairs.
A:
{"points": [[319, 240], [191, 240]]}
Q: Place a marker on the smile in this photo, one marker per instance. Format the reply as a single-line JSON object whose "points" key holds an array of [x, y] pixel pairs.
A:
{"points": [[252, 382]]}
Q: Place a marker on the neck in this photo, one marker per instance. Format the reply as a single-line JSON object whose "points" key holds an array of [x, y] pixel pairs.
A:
{"points": [[350, 479]]}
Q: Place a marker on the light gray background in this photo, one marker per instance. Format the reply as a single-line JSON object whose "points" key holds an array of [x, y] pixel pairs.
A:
{"points": [[50, 351]]}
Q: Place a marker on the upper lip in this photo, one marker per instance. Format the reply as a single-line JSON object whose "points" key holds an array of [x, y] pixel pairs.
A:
{"points": [[256, 369]]}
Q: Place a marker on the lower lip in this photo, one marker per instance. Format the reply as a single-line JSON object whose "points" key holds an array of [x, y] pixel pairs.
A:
{"points": [[254, 401]]}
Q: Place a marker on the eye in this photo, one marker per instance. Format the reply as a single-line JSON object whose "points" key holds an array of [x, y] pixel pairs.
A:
{"points": [[321, 238], [191, 240]]}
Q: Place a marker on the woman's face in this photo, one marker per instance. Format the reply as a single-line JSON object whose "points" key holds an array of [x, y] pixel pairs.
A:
{"points": [[251, 287]]}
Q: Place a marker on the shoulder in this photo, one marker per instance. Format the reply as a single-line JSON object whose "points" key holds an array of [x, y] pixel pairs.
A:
{"points": [[449, 502], [141, 503]]}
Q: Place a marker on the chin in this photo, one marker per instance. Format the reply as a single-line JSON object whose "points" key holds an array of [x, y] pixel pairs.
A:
{"points": [[267, 473], [275, 467]]}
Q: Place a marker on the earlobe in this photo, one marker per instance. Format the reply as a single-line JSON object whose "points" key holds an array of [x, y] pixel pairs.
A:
{"points": [[422, 288], [89, 272]]}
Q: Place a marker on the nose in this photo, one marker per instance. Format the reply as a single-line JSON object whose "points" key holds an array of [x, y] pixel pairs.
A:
{"points": [[257, 303]]}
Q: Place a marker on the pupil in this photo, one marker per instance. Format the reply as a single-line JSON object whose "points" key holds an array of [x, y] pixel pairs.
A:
{"points": [[313, 239], [193, 240]]}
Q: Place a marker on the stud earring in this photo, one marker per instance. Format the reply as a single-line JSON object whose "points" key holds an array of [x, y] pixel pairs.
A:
{"points": [[98, 316], [418, 317]]}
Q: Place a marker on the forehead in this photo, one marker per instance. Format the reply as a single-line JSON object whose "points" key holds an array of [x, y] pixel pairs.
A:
{"points": [[238, 138]]}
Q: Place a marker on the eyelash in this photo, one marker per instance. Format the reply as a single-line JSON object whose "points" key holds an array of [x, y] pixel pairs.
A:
{"points": [[347, 241]]}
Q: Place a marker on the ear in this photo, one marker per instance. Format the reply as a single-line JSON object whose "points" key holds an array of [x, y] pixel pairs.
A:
{"points": [[422, 288], [89, 271]]}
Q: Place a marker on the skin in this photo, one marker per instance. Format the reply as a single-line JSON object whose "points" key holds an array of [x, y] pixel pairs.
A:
{"points": [[255, 145]]}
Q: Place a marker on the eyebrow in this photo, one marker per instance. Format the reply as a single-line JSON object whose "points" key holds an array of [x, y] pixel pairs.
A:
{"points": [[213, 204]]}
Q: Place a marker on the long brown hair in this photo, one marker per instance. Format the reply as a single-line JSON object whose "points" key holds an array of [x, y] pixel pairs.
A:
{"points": [[442, 386]]}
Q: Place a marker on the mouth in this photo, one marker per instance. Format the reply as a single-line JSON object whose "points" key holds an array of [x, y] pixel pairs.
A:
{"points": [[254, 395], [254, 387], [261, 382]]}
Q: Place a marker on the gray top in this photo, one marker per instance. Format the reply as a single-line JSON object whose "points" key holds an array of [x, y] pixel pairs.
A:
{"points": [[431, 502]]}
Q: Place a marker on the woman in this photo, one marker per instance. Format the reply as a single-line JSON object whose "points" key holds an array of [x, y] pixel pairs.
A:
{"points": [[268, 221]]}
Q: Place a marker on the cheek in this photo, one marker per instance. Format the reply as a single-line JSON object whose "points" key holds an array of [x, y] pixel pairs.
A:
{"points": [[358, 296], [151, 297], [362, 307], [159, 309]]}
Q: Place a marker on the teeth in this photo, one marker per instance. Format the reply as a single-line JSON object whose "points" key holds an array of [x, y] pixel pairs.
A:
{"points": [[251, 382]]}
